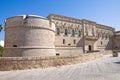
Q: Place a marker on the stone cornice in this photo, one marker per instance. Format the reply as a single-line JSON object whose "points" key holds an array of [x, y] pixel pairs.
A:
{"points": [[64, 18], [30, 47], [74, 20], [88, 22], [104, 27], [35, 27]]}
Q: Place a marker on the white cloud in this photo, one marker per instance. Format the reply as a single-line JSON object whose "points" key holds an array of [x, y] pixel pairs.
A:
{"points": [[1, 43]]}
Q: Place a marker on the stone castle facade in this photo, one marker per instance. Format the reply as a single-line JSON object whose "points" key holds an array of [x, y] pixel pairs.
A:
{"points": [[56, 35]]}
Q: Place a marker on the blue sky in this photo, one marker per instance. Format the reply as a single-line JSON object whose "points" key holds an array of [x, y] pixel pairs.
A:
{"points": [[105, 12]]}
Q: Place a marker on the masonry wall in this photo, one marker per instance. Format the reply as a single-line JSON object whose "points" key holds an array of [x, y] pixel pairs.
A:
{"points": [[20, 63], [69, 51], [116, 42], [93, 36], [29, 35]]}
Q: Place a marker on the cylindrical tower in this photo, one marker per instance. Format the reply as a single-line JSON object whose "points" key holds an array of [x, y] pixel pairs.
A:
{"points": [[29, 35]]}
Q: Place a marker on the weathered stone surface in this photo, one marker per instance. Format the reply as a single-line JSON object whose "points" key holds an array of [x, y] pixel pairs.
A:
{"points": [[19, 63], [29, 35], [106, 68]]}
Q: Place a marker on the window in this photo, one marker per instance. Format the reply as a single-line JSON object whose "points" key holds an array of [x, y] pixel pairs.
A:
{"points": [[57, 54], [98, 35], [116, 47], [106, 37], [65, 32], [73, 33], [102, 36], [79, 33], [101, 42], [14, 45], [110, 36], [74, 41], [63, 41], [57, 31]]}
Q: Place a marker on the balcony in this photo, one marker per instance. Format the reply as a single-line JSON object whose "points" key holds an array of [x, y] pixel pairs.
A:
{"points": [[91, 38]]}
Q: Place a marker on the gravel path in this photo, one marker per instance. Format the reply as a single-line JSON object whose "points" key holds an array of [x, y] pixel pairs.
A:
{"points": [[106, 68]]}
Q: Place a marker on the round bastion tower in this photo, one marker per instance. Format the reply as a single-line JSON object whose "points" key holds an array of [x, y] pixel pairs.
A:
{"points": [[29, 35]]}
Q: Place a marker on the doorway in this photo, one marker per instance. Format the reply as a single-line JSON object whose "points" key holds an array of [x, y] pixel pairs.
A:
{"points": [[90, 48]]}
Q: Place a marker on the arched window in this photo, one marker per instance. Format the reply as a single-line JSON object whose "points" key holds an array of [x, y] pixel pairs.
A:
{"points": [[57, 31], [73, 32], [65, 32], [79, 33]]}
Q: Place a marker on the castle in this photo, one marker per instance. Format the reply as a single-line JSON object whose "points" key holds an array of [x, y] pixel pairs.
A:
{"points": [[56, 35]]}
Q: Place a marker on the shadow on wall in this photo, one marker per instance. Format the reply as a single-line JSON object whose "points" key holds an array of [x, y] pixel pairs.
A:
{"points": [[109, 46], [80, 43]]}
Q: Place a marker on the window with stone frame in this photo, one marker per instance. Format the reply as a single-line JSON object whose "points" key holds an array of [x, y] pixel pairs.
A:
{"points": [[63, 41], [102, 36], [110, 36], [79, 33], [99, 35], [101, 43], [73, 33], [14, 45], [58, 31], [106, 37], [74, 41], [65, 32]]}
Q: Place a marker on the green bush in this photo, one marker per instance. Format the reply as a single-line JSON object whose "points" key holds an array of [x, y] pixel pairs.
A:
{"points": [[115, 54], [1, 50]]}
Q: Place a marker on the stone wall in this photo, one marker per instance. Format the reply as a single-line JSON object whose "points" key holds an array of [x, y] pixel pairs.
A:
{"points": [[20, 63], [107, 52], [29, 35], [116, 41], [69, 51], [93, 36]]}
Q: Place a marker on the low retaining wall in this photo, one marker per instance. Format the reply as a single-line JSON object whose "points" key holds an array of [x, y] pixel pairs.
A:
{"points": [[107, 52], [20, 63]]}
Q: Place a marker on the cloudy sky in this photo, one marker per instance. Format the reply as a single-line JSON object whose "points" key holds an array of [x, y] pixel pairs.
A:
{"points": [[1, 43], [105, 12]]}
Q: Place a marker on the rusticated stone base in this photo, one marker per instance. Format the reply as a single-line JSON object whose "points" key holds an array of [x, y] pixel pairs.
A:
{"points": [[21, 63]]}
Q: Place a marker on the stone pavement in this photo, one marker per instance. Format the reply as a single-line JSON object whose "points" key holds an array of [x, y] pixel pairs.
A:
{"points": [[106, 68]]}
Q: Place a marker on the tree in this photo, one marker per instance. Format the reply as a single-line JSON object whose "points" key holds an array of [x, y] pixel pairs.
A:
{"points": [[0, 28], [1, 50]]}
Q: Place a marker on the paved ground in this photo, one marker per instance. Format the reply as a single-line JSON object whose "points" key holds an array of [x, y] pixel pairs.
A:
{"points": [[106, 68]]}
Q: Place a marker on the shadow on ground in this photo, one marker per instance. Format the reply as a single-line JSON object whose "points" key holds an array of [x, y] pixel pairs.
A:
{"points": [[117, 62]]}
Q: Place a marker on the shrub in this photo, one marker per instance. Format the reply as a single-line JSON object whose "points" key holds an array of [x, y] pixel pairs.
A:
{"points": [[1, 50]]}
